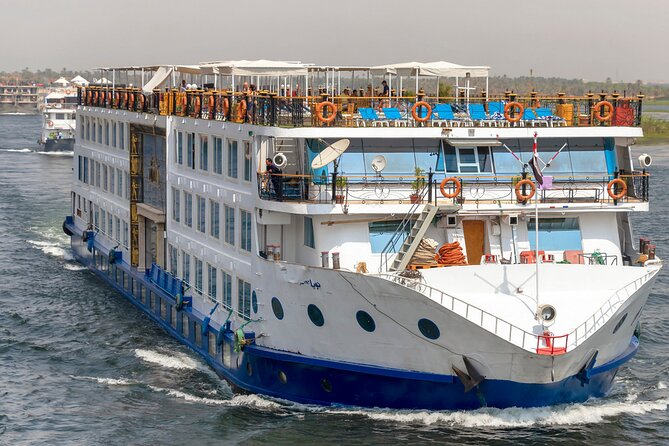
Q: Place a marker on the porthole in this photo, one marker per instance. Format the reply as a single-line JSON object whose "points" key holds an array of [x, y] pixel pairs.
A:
{"points": [[277, 308], [428, 328], [620, 323], [325, 385], [315, 315], [365, 321], [254, 301], [249, 368], [282, 377]]}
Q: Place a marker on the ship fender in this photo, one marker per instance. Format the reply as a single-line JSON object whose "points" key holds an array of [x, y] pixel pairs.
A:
{"points": [[66, 230]]}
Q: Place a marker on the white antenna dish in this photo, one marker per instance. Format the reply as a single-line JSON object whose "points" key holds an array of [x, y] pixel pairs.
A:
{"points": [[379, 163], [330, 153]]}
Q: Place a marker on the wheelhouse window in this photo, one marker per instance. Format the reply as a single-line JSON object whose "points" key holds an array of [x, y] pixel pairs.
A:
{"points": [[555, 234], [382, 232]]}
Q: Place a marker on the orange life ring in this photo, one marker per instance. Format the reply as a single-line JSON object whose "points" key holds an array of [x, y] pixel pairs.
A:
{"points": [[88, 97], [415, 114], [598, 113], [68, 92], [241, 110], [211, 103], [125, 99], [117, 97], [612, 184], [456, 183], [226, 107], [319, 112], [519, 193], [142, 100], [50, 123], [131, 101], [507, 113], [102, 98], [95, 97]]}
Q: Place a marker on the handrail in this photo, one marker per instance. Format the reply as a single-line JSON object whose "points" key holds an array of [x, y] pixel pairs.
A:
{"points": [[501, 326]]}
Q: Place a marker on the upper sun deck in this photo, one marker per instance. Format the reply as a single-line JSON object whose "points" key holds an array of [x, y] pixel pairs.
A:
{"points": [[295, 95]]}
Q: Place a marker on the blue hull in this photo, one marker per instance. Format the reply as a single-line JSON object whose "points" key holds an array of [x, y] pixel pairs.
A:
{"points": [[314, 381]]}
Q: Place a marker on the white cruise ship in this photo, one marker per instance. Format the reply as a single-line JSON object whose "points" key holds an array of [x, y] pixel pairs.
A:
{"points": [[398, 249]]}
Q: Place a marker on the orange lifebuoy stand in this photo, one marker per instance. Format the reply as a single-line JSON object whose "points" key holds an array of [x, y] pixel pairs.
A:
{"points": [[414, 112], [456, 184], [598, 112], [612, 184], [508, 108], [319, 112], [519, 192]]}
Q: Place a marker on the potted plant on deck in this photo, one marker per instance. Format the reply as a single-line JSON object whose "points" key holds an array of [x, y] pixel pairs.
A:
{"points": [[417, 186], [340, 193]]}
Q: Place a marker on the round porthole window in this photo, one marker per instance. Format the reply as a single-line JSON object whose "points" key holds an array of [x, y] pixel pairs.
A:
{"points": [[428, 329], [282, 377], [315, 315], [254, 301], [325, 384], [365, 321], [277, 308]]}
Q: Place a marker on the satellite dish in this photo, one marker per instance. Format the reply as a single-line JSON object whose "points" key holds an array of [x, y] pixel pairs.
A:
{"points": [[379, 163], [280, 160], [330, 153]]}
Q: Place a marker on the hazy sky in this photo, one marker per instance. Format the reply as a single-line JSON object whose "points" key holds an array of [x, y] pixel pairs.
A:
{"points": [[593, 39]]}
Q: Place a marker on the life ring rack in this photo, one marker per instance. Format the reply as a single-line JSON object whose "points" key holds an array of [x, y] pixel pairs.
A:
{"points": [[598, 111], [319, 112], [456, 184], [512, 106], [519, 193], [415, 114], [612, 184]]}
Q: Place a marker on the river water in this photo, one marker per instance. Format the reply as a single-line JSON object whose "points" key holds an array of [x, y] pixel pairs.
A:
{"points": [[80, 365]]}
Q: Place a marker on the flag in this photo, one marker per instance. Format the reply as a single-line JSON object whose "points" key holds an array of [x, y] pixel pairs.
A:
{"points": [[534, 163]]}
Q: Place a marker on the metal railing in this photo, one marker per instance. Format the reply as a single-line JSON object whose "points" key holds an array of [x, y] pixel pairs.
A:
{"points": [[516, 335], [271, 109]]}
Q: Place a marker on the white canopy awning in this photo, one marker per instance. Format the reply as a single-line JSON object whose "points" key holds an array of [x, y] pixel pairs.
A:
{"points": [[79, 80], [257, 68], [161, 75], [61, 81], [432, 69]]}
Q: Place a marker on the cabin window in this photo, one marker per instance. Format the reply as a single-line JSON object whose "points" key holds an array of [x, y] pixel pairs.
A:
{"points": [[198, 275], [201, 214], [229, 225], [174, 260], [226, 281], [176, 205], [467, 159], [117, 226], [119, 186], [125, 234], [246, 230], [105, 181], [107, 133], [218, 156], [121, 135], [180, 148], [248, 160], [309, 232], [188, 203], [277, 308], [184, 325], [555, 234], [232, 159], [100, 132], [185, 267], [212, 290], [112, 180], [381, 233], [113, 134], [190, 158], [103, 221], [244, 299], [315, 315], [204, 153], [214, 218]]}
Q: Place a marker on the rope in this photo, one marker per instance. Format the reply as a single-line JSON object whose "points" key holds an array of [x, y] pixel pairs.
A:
{"points": [[451, 254]]}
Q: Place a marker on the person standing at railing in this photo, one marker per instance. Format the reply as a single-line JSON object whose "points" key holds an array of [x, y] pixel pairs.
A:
{"points": [[275, 177]]}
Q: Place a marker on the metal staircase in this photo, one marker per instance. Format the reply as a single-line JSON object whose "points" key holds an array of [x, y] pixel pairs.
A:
{"points": [[414, 238]]}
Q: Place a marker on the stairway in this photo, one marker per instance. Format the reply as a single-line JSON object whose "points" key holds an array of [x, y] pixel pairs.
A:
{"points": [[412, 241]]}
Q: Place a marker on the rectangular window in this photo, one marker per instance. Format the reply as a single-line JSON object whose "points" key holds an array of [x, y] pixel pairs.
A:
{"points": [[96, 217], [125, 234], [190, 155], [555, 234], [382, 232], [97, 174], [218, 156], [226, 280], [185, 267], [119, 186], [81, 168], [244, 299], [229, 225], [82, 129], [126, 179], [248, 161], [214, 218], [201, 214], [174, 260], [180, 148], [117, 226], [100, 132], [112, 180], [107, 133], [110, 225], [188, 203], [232, 159], [198, 275], [176, 205], [309, 232], [204, 153], [113, 134], [103, 221], [211, 282], [93, 128], [85, 170], [121, 135], [246, 230], [105, 180]]}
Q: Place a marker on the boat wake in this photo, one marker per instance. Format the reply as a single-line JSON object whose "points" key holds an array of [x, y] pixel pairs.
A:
{"points": [[70, 153], [24, 150], [54, 249], [175, 360]]}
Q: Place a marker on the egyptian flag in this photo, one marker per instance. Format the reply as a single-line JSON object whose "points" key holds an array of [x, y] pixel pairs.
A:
{"points": [[534, 163]]}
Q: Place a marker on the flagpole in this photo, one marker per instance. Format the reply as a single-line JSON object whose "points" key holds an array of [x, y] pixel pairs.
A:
{"points": [[538, 180]]}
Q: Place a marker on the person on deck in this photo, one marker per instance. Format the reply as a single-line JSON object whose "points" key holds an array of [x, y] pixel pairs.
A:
{"points": [[275, 177]]}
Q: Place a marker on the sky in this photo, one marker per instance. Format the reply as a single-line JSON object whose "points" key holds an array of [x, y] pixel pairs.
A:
{"points": [[625, 40]]}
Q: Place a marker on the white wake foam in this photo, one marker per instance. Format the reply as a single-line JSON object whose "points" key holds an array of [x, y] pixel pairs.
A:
{"points": [[236, 401], [176, 361], [74, 267], [573, 414], [64, 153], [54, 249], [108, 381], [25, 150]]}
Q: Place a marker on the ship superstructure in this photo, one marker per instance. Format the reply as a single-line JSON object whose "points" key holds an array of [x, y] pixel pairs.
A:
{"points": [[319, 241], [19, 99]]}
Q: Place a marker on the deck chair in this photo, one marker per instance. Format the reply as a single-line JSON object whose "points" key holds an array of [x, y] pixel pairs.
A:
{"points": [[496, 112], [369, 116], [544, 113], [443, 115], [478, 115], [530, 118], [394, 116]]}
